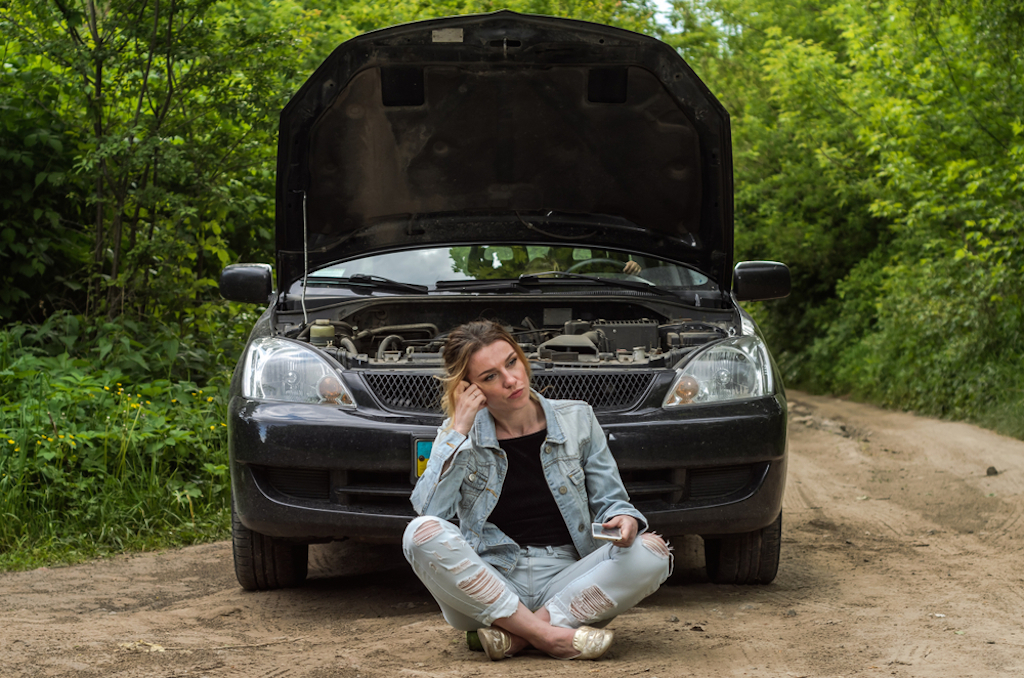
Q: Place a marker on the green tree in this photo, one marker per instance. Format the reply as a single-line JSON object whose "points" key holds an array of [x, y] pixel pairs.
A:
{"points": [[878, 152], [159, 111]]}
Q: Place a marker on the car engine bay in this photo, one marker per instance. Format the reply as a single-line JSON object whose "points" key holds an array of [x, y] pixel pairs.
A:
{"points": [[395, 334]]}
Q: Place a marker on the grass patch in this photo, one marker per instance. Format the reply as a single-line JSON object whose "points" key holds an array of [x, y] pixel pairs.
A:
{"points": [[94, 463], [39, 551]]}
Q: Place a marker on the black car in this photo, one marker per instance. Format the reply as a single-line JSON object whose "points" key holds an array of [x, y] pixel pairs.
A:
{"points": [[572, 181]]}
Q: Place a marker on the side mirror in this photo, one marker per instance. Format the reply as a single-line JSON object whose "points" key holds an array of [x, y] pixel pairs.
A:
{"points": [[760, 280], [250, 283]]}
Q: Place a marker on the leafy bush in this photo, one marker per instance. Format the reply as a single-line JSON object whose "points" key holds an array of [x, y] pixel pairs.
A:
{"points": [[94, 456], [879, 151]]}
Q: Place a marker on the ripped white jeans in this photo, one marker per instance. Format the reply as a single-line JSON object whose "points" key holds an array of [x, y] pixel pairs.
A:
{"points": [[575, 591]]}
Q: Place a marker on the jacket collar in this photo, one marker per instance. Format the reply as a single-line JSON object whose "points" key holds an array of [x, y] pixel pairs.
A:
{"points": [[486, 435]]}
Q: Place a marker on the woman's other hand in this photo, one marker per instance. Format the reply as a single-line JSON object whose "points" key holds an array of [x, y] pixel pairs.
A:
{"points": [[469, 400], [629, 528]]}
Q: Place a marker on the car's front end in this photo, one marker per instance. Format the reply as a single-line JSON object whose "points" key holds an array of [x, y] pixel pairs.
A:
{"points": [[571, 181]]}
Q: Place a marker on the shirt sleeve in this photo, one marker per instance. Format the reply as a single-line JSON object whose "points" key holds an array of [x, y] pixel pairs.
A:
{"points": [[437, 491], [605, 491]]}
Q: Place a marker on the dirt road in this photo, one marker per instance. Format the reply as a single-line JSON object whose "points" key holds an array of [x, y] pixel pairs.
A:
{"points": [[902, 556]]}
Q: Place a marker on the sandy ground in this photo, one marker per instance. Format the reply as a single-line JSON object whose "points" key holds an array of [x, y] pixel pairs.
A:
{"points": [[902, 556]]}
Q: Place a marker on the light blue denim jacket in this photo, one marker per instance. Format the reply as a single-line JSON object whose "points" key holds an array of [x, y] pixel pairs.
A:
{"points": [[578, 466]]}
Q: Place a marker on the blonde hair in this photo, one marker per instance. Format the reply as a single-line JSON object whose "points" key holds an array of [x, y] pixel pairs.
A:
{"points": [[462, 343]]}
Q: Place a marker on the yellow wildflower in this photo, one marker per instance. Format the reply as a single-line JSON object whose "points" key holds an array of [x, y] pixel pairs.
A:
{"points": [[209, 400], [61, 436], [106, 388]]}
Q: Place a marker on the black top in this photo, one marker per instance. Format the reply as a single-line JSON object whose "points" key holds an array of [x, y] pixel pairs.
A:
{"points": [[526, 510]]}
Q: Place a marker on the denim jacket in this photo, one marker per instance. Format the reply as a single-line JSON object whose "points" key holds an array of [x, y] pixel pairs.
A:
{"points": [[578, 467]]}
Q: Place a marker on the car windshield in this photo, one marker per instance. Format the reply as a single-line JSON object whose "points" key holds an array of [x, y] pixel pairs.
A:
{"points": [[470, 263]]}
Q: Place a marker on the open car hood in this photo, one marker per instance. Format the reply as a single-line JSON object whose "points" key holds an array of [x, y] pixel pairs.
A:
{"points": [[504, 127]]}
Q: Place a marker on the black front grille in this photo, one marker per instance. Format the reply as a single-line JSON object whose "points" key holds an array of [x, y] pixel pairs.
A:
{"points": [[302, 483], [603, 390], [388, 491], [712, 483], [660, 489], [365, 490], [419, 392], [406, 392]]}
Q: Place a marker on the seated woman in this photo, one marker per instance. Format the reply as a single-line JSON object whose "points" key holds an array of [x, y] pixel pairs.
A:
{"points": [[526, 476]]}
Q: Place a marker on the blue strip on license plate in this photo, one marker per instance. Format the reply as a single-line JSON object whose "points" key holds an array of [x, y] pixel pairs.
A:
{"points": [[422, 455]]}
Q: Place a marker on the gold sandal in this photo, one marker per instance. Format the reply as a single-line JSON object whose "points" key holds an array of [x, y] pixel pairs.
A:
{"points": [[496, 642], [592, 643]]}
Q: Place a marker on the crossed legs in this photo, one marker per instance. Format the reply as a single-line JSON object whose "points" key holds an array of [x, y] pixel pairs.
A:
{"points": [[472, 594]]}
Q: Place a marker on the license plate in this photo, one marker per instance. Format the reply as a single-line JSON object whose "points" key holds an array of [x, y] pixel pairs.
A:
{"points": [[421, 455]]}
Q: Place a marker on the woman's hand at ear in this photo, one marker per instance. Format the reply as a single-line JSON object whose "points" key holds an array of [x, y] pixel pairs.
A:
{"points": [[469, 400]]}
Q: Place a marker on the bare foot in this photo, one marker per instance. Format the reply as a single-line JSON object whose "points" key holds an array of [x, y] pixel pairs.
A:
{"points": [[518, 644]]}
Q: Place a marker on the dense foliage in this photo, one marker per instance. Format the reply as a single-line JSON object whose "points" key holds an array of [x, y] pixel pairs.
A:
{"points": [[879, 150], [137, 158]]}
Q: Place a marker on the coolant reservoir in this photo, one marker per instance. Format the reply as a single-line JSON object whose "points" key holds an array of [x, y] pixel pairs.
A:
{"points": [[321, 332]]}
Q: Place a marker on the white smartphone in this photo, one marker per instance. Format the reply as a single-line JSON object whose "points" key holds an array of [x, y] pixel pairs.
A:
{"points": [[601, 532]]}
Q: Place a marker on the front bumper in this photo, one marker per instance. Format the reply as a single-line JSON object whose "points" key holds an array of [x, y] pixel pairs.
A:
{"points": [[313, 473]]}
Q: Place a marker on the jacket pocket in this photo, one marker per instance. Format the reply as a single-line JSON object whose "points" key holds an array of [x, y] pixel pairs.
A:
{"points": [[473, 485], [578, 477]]}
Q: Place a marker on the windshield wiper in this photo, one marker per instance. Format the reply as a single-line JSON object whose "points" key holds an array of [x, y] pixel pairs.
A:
{"points": [[376, 281], [534, 278], [499, 285]]}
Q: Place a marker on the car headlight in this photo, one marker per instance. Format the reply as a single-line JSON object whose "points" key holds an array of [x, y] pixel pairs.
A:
{"points": [[278, 369], [732, 369]]}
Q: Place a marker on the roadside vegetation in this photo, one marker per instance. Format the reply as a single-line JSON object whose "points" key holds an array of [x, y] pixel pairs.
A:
{"points": [[878, 149]]}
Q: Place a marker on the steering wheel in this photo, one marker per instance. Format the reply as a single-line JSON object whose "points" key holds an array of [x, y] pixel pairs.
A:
{"points": [[619, 265]]}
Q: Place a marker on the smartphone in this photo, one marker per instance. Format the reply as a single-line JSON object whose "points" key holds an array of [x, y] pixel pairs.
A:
{"points": [[601, 532]]}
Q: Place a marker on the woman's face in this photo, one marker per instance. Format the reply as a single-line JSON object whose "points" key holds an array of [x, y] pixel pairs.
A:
{"points": [[501, 376]]}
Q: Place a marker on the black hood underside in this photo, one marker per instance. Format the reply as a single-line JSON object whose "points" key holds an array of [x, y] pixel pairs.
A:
{"points": [[489, 118]]}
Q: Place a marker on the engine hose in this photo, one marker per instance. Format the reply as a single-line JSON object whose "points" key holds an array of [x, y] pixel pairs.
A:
{"points": [[348, 345], [384, 345]]}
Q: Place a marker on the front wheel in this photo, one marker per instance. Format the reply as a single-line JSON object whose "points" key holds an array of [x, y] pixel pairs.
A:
{"points": [[750, 558], [263, 563]]}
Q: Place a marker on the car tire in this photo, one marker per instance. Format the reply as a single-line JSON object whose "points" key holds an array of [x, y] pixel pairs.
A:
{"points": [[750, 558], [263, 563]]}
